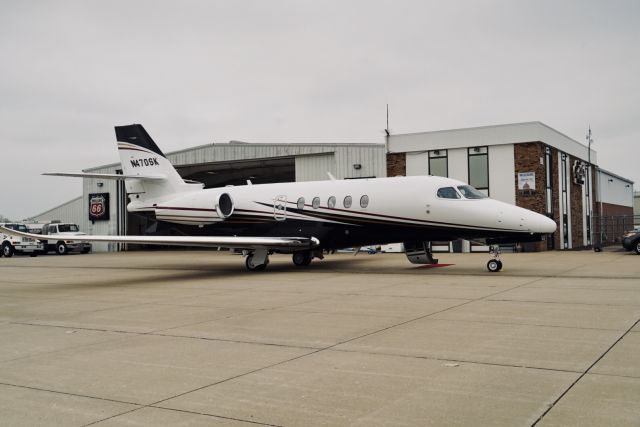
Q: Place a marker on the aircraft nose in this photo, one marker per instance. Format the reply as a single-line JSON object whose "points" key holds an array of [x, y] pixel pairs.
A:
{"points": [[541, 224]]}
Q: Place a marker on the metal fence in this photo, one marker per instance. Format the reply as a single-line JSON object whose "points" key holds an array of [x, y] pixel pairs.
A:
{"points": [[608, 230]]}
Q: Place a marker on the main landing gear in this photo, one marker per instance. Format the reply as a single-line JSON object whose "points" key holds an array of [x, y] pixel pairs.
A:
{"points": [[302, 259], [494, 265], [257, 260]]}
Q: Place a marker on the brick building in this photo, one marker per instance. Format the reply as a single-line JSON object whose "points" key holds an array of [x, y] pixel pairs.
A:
{"points": [[528, 164]]}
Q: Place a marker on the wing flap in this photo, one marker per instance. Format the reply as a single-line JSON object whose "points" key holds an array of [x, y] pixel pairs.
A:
{"points": [[201, 241]]}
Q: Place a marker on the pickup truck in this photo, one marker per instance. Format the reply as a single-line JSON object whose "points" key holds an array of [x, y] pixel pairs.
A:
{"points": [[61, 246], [18, 245]]}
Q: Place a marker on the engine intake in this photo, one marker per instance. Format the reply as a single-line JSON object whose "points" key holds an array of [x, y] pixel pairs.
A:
{"points": [[224, 205]]}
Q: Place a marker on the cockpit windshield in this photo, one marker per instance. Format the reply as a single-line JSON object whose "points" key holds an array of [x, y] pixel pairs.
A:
{"points": [[448, 193], [470, 193]]}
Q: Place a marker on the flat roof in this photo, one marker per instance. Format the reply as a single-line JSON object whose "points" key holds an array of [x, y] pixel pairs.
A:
{"points": [[510, 133]]}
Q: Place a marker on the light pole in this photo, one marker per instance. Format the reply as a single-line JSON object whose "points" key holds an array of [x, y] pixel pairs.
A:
{"points": [[588, 189]]}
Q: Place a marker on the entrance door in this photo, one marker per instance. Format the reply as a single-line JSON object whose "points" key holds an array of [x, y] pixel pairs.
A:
{"points": [[280, 208]]}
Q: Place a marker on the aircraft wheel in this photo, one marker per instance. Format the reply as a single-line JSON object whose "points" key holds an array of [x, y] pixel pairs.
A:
{"points": [[499, 265], [7, 250], [61, 248], [494, 265], [302, 258], [254, 267]]}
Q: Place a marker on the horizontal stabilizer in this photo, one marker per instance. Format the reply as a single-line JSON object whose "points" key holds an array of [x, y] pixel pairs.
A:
{"points": [[109, 176], [291, 243]]}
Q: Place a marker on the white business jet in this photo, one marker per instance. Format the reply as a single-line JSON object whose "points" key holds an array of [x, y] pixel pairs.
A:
{"points": [[306, 219]]}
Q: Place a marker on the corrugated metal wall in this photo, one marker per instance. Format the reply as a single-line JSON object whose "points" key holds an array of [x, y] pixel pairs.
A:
{"points": [[72, 211]]}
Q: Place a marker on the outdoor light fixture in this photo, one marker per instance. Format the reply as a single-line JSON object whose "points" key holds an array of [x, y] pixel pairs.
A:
{"points": [[357, 166], [100, 184]]}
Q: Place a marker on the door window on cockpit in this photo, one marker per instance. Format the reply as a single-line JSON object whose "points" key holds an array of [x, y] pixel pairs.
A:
{"points": [[448, 193]]}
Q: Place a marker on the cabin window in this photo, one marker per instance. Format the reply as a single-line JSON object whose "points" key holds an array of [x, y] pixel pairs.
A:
{"points": [[364, 201], [331, 203], [448, 193], [470, 193], [347, 202], [316, 202], [301, 203]]}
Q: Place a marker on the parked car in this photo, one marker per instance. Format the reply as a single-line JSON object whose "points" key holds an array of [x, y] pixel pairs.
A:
{"points": [[18, 245], [631, 240]]}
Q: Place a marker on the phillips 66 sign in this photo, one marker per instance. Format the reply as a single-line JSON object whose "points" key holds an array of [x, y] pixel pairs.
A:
{"points": [[99, 207]]}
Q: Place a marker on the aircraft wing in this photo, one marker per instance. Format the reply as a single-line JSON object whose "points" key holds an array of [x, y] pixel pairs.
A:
{"points": [[201, 241], [107, 176]]}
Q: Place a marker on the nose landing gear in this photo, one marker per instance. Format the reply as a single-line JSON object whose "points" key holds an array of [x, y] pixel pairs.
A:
{"points": [[494, 265]]}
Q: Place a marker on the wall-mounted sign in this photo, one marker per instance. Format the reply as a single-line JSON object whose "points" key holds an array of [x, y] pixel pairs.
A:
{"points": [[579, 172], [527, 181], [99, 207]]}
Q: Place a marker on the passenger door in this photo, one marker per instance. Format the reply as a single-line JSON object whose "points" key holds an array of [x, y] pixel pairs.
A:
{"points": [[280, 208]]}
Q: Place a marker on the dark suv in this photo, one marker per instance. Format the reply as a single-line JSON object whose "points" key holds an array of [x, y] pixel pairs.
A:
{"points": [[631, 240]]}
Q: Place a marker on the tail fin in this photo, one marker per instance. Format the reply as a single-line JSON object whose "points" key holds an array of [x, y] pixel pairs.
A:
{"points": [[140, 156]]}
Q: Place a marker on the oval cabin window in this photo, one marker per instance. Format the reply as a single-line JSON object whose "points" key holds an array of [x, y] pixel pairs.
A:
{"points": [[331, 203]]}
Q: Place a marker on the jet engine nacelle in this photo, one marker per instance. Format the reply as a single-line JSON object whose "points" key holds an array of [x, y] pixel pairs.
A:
{"points": [[196, 209]]}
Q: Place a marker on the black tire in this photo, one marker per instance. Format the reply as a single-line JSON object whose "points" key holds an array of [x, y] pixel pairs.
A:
{"points": [[86, 250], [636, 248], [33, 254], [61, 248], [499, 265], [253, 267], [302, 259], [7, 250], [493, 265]]}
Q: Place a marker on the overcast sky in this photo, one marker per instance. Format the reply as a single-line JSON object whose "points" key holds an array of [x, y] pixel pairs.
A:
{"points": [[195, 72]]}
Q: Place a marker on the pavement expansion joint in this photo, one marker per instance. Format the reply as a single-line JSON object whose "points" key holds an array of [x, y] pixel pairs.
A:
{"points": [[573, 384]]}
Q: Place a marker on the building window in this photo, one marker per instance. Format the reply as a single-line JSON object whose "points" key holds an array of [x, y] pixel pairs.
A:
{"points": [[301, 203], [438, 163], [331, 203], [316, 202], [478, 159], [347, 202], [364, 201]]}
